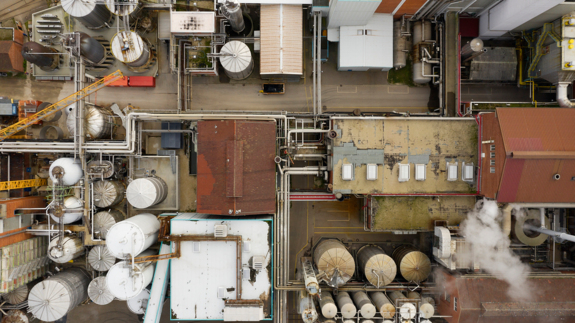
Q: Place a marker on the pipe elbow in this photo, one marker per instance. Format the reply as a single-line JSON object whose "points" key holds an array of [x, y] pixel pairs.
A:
{"points": [[562, 98]]}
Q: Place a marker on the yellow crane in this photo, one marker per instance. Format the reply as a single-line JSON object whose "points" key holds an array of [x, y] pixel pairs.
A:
{"points": [[13, 185], [39, 116]]}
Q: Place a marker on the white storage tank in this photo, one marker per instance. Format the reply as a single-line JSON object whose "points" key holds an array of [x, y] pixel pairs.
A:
{"points": [[138, 304], [73, 210], [366, 308], [145, 192], [104, 220], [70, 248], [90, 14], [99, 122], [345, 304], [66, 171], [378, 268], [98, 291], [130, 49], [327, 304], [100, 258], [133, 235], [399, 47], [334, 261], [426, 307], [52, 298], [238, 62], [407, 310], [108, 193], [383, 304], [124, 283]]}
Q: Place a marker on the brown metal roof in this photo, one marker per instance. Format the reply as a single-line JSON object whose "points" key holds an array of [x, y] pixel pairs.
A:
{"points": [[236, 169], [491, 135], [11, 59]]}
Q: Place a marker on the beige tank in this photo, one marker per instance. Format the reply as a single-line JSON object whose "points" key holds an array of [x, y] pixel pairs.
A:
{"points": [[366, 308], [407, 311], [379, 269], [327, 304], [383, 304], [334, 263], [413, 265], [426, 305], [345, 305]]}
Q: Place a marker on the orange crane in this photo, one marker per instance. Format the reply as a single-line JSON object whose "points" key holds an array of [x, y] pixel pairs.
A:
{"points": [[48, 111]]}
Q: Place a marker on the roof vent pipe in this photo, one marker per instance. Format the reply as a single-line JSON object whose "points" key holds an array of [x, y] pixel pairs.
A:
{"points": [[556, 177], [562, 98], [542, 211]]}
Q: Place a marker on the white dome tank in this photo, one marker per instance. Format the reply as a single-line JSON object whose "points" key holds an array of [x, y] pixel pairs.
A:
{"points": [[100, 258], [327, 304], [104, 220], [145, 192], [138, 304], [130, 49], [140, 230], [345, 304], [70, 249], [125, 286], [239, 64], [98, 291], [73, 210], [366, 308], [98, 125], [108, 193], [70, 108], [407, 311], [66, 171], [91, 15], [383, 305]]}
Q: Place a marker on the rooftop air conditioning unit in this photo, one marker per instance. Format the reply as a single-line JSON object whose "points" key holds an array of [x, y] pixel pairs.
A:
{"points": [[257, 262], [220, 230]]}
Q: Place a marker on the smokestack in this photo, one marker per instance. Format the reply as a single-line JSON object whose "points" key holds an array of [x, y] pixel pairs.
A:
{"points": [[231, 9]]}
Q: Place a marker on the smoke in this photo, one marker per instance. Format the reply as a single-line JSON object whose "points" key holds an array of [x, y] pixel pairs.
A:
{"points": [[490, 249]]}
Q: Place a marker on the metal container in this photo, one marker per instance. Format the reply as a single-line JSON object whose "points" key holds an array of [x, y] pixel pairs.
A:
{"points": [[145, 192], [100, 258], [345, 305], [98, 291], [89, 13], [104, 168], [53, 298], [233, 12], [98, 124], [366, 308], [427, 307], [124, 8], [383, 304], [108, 193], [104, 220], [73, 210], [334, 263], [379, 269], [473, 47], [327, 304], [238, 63], [133, 235], [124, 283], [138, 304], [407, 310], [47, 58], [71, 248], [17, 296], [16, 316], [90, 49], [413, 265], [399, 47], [130, 49], [66, 171], [307, 308], [54, 117]]}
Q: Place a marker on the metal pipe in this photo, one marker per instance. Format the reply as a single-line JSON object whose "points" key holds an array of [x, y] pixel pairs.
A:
{"points": [[315, 14], [466, 7], [551, 233], [542, 218], [318, 58], [562, 98]]}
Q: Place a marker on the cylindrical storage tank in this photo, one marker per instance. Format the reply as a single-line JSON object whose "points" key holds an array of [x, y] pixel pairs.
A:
{"points": [[47, 58], [130, 49], [332, 259], [17, 296], [366, 308], [233, 12], [57, 295], [98, 291], [54, 117], [73, 210], [70, 108], [427, 307], [108, 193], [125, 284], [418, 73], [138, 304], [407, 311], [379, 269], [413, 265], [104, 167], [366, 321], [90, 49], [66, 171], [427, 32], [16, 316], [473, 47], [123, 8], [307, 308], [383, 304], [98, 124], [345, 305], [104, 220], [399, 47], [135, 234], [416, 33], [100, 258], [239, 64], [71, 248], [89, 13], [327, 304], [145, 192]]}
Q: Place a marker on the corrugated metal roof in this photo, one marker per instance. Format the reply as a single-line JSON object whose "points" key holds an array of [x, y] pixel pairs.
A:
{"points": [[236, 170], [281, 39], [491, 135]]}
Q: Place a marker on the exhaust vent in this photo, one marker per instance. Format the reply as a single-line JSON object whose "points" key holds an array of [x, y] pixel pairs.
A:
{"points": [[220, 230], [257, 262]]}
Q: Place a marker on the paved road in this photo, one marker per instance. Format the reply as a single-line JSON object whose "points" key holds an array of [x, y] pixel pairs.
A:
{"points": [[20, 9]]}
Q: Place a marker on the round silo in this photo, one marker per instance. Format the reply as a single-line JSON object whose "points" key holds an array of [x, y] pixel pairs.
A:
{"points": [[73, 210], [98, 291], [407, 310], [98, 124], [52, 298], [70, 248], [427, 307], [345, 304], [133, 235], [89, 48], [334, 262], [145, 192], [237, 62], [366, 308], [100, 258], [104, 220], [130, 49], [379, 269], [66, 171], [47, 58], [90, 14], [108, 193], [328, 308], [138, 304], [413, 265], [54, 117], [124, 283], [383, 304], [17, 296]]}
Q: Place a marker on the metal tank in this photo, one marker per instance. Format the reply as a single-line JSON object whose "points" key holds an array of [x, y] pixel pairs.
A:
{"points": [[379, 269], [421, 32], [145, 192], [474, 47], [383, 304], [124, 283], [233, 12], [307, 308], [133, 235], [100, 258], [138, 304], [90, 14], [47, 58], [108, 193], [73, 210], [17, 296], [399, 47], [345, 304], [366, 308], [327, 304], [104, 220], [70, 108], [98, 124], [130, 49], [90, 49], [52, 298], [528, 237], [70, 248], [334, 263], [52, 118], [407, 310], [66, 171], [237, 60], [16, 316], [413, 265], [124, 8], [98, 291], [103, 168], [426, 304]]}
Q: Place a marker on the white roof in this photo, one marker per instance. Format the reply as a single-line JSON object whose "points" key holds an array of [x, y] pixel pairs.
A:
{"points": [[193, 22], [281, 39], [367, 46]]}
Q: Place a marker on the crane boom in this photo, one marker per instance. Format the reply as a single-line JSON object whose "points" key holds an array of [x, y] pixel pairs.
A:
{"points": [[39, 116]]}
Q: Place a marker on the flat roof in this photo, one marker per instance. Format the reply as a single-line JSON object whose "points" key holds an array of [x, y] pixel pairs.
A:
{"points": [[367, 46], [281, 39], [394, 141], [192, 22]]}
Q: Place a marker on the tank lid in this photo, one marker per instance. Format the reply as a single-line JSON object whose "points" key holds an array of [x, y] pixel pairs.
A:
{"points": [[127, 46], [123, 238], [105, 193], [78, 8], [121, 283], [49, 300], [141, 193], [139, 303], [100, 258], [98, 291], [239, 58]]}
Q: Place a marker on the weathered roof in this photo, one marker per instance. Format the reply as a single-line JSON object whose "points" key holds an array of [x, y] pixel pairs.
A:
{"points": [[281, 39], [11, 59], [236, 169]]}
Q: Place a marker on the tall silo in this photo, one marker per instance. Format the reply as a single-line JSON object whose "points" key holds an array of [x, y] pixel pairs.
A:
{"points": [[108, 193], [379, 269], [100, 258], [98, 291], [146, 192], [104, 220], [52, 298], [66, 171], [233, 12], [71, 247], [363, 303], [90, 14], [98, 123], [133, 235], [125, 283], [413, 264], [73, 211], [131, 49], [334, 263], [327, 304], [383, 304], [47, 58], [90, 49], [345, 304], [237, 60]]}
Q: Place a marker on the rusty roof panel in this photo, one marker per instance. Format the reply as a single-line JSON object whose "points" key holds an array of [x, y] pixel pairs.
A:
{"points": [[510, 179], [491, 135], [538, 185], [236, 171], [528, 308]]}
